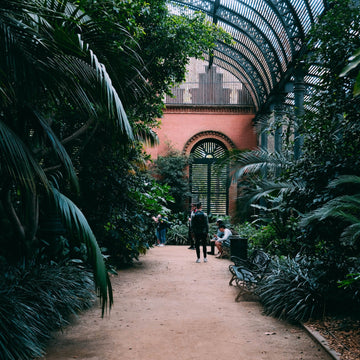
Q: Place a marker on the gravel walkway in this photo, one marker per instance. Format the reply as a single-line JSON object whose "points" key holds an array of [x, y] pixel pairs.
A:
{"points": [[169, 307]]}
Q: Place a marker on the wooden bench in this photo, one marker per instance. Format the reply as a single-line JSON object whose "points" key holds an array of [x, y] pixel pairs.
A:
{"points": [[247, 273]]}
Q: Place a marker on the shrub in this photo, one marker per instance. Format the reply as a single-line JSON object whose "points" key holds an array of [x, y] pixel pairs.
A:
{"points": [[34, 301], [267, 238], [245, 229], [292, 290], [177, 234], [170, 170], [264, 238]]}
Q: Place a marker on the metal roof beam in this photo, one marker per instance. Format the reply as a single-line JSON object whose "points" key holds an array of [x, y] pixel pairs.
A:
{"points": [[227, 63], [269, 38]]}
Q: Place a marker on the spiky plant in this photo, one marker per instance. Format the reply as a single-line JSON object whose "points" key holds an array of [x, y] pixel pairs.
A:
{"points": [[34, 301], [292, 291]]}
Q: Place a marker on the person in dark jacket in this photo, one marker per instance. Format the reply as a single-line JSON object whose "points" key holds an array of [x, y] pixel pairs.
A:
{"points": [[200, 228], [162, 226]]}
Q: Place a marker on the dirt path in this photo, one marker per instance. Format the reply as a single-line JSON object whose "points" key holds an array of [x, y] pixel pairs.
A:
{"points": [[169, 307]]}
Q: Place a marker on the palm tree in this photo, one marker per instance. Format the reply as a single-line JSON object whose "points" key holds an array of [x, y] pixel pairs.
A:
{"points": [[47, 64], [345, 208]]}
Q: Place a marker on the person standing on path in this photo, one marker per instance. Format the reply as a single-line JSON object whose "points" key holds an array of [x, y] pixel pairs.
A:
{"points": [[200, 227], [191, 234], [163, 225], [157, 232]]}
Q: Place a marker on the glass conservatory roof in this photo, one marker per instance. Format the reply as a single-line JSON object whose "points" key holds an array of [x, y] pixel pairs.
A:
{"points": [[268, 37]]}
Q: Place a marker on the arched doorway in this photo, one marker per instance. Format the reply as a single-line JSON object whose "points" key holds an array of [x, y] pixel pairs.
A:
{"points": [[208, 184]]}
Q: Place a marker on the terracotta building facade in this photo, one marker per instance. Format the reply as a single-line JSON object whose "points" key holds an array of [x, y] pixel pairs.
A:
{"points": [[210, 114]]}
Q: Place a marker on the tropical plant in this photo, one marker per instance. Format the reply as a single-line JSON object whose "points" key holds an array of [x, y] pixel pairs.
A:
{"points": [[292, 290], [344, 208], [177, 234], [36, 300], [342, 214], [170, 170], [265, 238], [351, 283], [47, 64], [130, 229], [143, 68], [154, 59], [282, 194], [328, 149], [354, 62], [245, 229], [280, 187]]}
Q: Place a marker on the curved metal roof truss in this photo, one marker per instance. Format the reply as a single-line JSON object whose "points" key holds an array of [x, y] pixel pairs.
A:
{"points": [[268, 36]]}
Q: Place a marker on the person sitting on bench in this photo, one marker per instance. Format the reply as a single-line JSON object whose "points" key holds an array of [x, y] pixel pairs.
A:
{"points": [[224, 240], [219, 234]]}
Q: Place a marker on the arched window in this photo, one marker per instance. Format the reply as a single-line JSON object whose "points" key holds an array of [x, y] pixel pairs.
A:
{"points": [[207, 184]]}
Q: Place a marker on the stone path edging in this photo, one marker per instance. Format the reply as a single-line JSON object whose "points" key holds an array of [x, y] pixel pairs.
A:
{"points": [[322, 341]]}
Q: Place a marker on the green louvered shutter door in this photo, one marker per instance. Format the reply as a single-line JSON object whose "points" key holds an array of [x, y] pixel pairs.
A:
{"points": [[207, 185]]}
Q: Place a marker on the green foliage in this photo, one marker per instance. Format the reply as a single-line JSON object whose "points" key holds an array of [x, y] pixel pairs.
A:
{"points": [[268, 239], [292, 291], [328, 129], [296, 209], [265, 238], [144, 67], [178, 234], [155, 57], [246, 229], [123, 201], [131, 232], [68, 72], [170, 170], [354, 62], [352, 283], [71, 69], [344, 209], [35, 301], [331, 132], [340, 214], [49, 65]]}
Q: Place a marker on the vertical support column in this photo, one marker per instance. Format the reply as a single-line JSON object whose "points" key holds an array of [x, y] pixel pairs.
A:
{"points": [[299, 93], [264, 137], [278, 115], [264, 119], [263, 134]]}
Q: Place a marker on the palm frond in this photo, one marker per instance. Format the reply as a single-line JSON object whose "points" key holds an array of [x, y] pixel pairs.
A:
{"points": [[267, 187], [257, 161], [18, 160], [269, 190], [351, 234], [59, 149], [114, 102], [147, 136], [77, 225], [345, 179], [45, 48], [339, 207], [344, 207]]}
